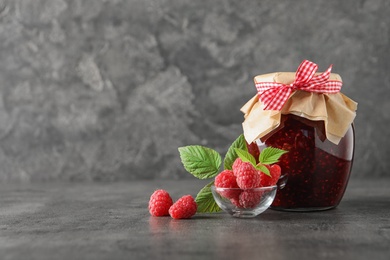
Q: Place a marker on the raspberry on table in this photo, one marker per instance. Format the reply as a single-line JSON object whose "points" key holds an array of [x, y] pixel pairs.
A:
{"points": [[275, 172], [247, 176], [185, 207], [159, 203]]}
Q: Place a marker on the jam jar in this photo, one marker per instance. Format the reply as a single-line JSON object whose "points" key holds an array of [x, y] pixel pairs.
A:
{"points": [[315, 171], [306, 114]]}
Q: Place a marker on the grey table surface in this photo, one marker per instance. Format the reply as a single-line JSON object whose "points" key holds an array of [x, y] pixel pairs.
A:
{"points": [[111, 221]]}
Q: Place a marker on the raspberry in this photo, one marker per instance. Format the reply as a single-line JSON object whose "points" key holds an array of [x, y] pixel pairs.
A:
{"points": [[159, 203], [236, 201], [250, 198], [226, 179], [231, 194], [185, 207], [247, 176], [275, 172], [236, 165]]}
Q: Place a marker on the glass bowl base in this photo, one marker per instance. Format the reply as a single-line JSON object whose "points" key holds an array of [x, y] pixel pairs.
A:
{"points": [[244, 214]]}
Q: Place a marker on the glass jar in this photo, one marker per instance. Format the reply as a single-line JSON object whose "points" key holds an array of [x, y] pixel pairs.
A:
{"points": [[315, 171]]}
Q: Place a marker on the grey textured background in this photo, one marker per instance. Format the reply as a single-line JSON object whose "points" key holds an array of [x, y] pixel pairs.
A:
{"points": [[100, 90]]}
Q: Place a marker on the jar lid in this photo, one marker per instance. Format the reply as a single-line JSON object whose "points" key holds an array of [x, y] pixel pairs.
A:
{"points": [[336, 110]]}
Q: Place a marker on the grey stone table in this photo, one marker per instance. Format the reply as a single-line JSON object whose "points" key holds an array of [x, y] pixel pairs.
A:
{"points": [[111, 221]]}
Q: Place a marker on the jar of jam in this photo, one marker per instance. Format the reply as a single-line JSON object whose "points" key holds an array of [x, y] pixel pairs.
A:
{"points": [[316, 128], [315, 170]]}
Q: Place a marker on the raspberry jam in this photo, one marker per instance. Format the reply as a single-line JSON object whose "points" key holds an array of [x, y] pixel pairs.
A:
{"points": [[315, 171]]}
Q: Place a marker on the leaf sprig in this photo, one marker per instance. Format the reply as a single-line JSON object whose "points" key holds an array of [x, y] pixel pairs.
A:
{"points": [[205, 163], [269, 155]]}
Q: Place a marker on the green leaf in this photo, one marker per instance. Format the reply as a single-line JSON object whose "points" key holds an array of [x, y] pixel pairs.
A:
{"points": [[263, 169], [245, 156], [231, 154], [200, 161], [271, 155], [205, 200]]}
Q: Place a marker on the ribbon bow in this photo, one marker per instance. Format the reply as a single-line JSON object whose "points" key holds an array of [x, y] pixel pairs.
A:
{"points": [[274, 95]]}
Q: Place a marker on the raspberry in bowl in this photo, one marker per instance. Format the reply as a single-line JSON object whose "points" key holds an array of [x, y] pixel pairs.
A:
{"points": [[244, 203], [245, 191]]}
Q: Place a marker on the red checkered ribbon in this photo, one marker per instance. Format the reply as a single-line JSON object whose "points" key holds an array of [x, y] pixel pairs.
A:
{"points": [[274, 95]]}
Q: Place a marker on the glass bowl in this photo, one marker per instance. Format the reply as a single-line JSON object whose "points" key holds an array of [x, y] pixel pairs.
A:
{"points": [[244, 203]]}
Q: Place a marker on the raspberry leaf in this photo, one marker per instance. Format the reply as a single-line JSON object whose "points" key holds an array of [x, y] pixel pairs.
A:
{"points": [[271, 155], [200, 161], [205, 200], [231, 154], [264, 169], [245, 156]]}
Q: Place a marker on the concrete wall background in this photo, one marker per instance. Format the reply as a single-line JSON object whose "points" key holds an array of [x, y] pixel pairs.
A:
{"points": [[100, 90]]}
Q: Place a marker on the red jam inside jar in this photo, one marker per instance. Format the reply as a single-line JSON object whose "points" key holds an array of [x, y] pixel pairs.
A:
{"points": [[315, 171]]}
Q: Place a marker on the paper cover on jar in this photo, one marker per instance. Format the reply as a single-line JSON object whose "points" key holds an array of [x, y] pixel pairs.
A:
{"points": [[336, 110]]}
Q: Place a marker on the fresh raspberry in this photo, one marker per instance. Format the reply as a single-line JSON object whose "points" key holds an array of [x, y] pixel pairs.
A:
{"points": [[185, 207], [159, 203], [236, 200], [236, 165], [247, 176], [226, 179], [250, 198], [275, 172], [229, 193]]}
